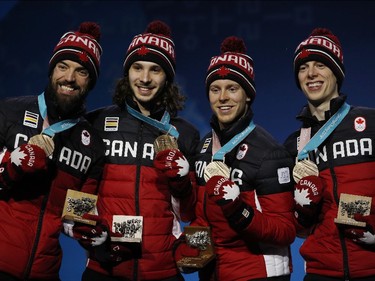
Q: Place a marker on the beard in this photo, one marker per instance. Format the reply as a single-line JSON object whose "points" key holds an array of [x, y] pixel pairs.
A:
{"points": [[66, 106]]}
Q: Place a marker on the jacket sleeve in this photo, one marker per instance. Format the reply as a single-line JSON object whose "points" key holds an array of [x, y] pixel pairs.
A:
{"points": [[303, 224], [272, 201], [189, 145], [94, 176], [5, 180]]}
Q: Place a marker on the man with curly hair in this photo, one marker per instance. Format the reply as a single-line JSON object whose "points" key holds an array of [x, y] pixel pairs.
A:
{"points": [[149, 163]]}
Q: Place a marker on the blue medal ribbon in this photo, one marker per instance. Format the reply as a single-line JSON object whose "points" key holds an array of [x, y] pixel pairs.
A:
{"points": [[324, 131], [57, 127], [162, 125], [219, 155]]}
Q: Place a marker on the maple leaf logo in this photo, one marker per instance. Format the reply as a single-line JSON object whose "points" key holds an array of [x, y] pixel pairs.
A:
{"points": [[301, 197], [223, 71], [231, 191], [142, 51], [359, 121], [83, 57], [17, 156], [304, 54], [360, 124], [183, 164]]}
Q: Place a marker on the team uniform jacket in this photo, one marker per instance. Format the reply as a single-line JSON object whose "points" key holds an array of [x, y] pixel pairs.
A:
{"points": [[30, 220], [346, 163], [261, 168], [132, 186]]}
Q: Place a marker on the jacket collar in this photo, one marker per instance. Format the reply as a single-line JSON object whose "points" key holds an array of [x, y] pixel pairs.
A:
{"points": [[227, 134], [309, 120], [156, 112]]}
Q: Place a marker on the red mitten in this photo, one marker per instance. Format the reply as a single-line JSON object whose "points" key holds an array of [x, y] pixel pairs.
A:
{"points": [[121, 251], [175, 166], [28, 158], [172, 163], [111, 252], [182, 250], [88, 235], [223, 192], [365, 235], [308, 194], [226, 194]]}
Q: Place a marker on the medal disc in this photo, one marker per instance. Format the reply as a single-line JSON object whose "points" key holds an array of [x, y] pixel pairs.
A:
{"points": [[43, 141], [216, 168], [303, 169], [164, 142]]}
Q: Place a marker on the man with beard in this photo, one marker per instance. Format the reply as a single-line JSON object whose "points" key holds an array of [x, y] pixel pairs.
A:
{"points": [[147, 181], [47, 148]]}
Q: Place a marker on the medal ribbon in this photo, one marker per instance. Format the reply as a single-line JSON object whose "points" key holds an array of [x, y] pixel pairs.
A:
{"points": [[57, 127], [162, 125], [324, 131], [220, 153]]}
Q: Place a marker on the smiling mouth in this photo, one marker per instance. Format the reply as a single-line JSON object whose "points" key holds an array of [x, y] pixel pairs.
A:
{"points": [[225, 107], [66, 88], [314, 85], [144, 90]]}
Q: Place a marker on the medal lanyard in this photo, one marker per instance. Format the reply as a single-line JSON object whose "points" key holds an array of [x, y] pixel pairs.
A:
{"points": [[162, 125], [324, 131], [220, 153], [57, 127]]}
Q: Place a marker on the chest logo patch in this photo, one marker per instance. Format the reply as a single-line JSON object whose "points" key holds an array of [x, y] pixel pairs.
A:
{"points": [[85, 137], [242, 150], [206, 145], [30, 119], [111, 124], [360, 124]]}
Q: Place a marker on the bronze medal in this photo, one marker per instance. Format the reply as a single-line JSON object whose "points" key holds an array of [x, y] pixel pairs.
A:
{"points": [[216, 168], [43, 141], [303, 169], [164, 142]]}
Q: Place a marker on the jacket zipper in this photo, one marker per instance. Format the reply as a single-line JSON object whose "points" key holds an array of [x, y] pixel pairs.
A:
{"points": [[137, 181], [37, 236], [215, 273], [341, 235]]}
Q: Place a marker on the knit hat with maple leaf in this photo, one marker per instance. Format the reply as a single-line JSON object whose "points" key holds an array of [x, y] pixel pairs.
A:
{"points": [[322, 46], [154, 45], [81, 46], [233, 64]]}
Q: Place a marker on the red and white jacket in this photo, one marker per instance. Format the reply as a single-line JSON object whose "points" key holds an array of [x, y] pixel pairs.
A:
{"points": [[30, 220], [262, 169], [346, 162], [132, 186]]}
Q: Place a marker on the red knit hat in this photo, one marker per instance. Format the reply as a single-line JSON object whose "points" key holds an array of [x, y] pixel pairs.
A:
{"points": [[155, 45], [81, 46], [322, 46], [233, 64]]}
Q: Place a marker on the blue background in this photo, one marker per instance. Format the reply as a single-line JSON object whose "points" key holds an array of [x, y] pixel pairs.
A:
{"points": [[29, 30]]}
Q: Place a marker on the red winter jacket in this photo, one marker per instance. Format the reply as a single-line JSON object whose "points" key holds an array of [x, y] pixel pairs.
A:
{"points": [[132, 186], [30, 220], [346, 162], [261, 168]]}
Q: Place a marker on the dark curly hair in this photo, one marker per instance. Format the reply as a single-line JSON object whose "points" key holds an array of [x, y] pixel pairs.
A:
{"points": [[170, 97]]}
